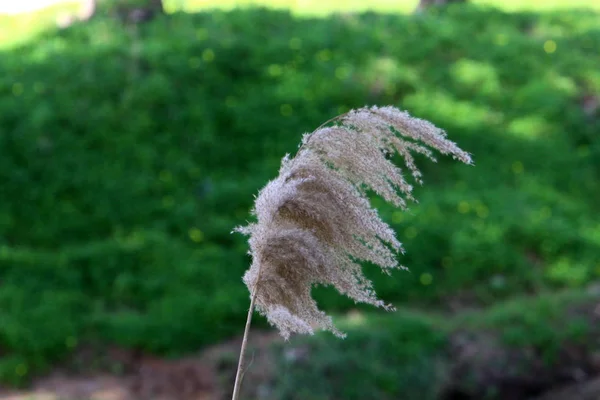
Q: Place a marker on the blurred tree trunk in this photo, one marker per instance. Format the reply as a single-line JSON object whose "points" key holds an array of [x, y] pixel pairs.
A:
{"points": [[127, 10], [423, 4]]}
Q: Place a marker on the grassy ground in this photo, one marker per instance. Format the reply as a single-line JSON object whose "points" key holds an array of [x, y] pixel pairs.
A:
{"points": [[314, 7], [127, 156], [16, 29]]}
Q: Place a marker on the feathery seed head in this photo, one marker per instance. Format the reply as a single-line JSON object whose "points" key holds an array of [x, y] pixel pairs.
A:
{"points": [[315, 222]]}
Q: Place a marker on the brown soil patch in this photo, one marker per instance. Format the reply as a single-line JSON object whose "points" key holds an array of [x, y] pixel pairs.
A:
{"points": [[207, 376]]}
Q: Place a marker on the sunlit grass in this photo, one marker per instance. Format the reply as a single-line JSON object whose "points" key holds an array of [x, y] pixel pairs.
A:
{"points": [[540, 5], [15, 29], [19, 28], [302, 7], [320, 7]]}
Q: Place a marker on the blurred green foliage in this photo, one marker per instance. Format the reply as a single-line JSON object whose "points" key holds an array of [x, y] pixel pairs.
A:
{"points": [[411, 355], [128, 153], [403, 358]]}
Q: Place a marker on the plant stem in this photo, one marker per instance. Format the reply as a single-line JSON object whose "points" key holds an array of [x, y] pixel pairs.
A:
{"points": [[238, 374]]}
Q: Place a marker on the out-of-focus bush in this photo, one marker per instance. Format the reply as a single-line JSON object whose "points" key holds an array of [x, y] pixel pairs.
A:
{"points": [[127, 154]]}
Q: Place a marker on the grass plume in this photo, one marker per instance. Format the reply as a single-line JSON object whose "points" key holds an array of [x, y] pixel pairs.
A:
{"points": [[315, 223]]}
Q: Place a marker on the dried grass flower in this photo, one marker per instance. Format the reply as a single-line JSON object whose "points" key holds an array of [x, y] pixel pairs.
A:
{"points": [[315, 223]]}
